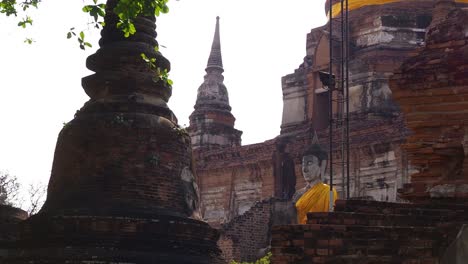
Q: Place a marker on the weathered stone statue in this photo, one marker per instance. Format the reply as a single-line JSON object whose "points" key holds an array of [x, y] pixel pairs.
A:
{"points": [[191, 192], [315, 196], [283, 171]]}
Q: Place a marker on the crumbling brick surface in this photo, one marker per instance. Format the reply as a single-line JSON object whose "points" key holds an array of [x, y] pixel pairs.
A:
{"points": [[432, 88], [243, 237]]}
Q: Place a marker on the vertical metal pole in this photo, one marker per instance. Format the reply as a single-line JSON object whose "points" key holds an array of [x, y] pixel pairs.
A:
{"points": [[330, 99], [347, 99], [342, 100]]}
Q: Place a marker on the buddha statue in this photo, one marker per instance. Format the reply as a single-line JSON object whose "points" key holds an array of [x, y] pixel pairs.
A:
{"points": [[315, 196]]}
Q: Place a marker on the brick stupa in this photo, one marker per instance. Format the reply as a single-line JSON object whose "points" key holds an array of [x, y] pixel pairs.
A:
{"points": [[212, 123], [121, 188]]}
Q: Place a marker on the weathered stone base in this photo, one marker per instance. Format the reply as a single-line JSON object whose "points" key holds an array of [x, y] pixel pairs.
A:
{"points": [[105, 240]]}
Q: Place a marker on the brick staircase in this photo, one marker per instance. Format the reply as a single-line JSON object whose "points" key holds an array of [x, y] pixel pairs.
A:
{"points": [[371, 232]]}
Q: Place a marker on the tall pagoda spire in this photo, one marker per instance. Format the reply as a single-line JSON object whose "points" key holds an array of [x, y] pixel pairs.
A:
{"points": [[215, 60], [212, 123]]}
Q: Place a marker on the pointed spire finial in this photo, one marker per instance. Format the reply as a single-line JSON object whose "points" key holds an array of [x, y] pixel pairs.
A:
{"points": [[215, 60], [315, 139], [315, 149]]}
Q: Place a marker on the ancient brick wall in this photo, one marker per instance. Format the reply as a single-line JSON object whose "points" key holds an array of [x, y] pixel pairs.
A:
{"points": [[432, 88], [377, 165], [243, 237], [382, 36], [247, 237], [231, 180]]}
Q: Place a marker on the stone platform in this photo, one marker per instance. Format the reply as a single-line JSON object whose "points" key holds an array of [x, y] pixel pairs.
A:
{"points": [[94, 239], [371, 232]]}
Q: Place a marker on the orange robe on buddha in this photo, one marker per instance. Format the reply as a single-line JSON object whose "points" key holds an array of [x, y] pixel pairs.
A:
{"points": [[316, 199]]}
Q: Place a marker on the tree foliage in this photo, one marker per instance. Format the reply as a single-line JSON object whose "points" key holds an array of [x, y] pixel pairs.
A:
{"points": [[9, 190], [126, 10], [36, 196], [12, 193]]}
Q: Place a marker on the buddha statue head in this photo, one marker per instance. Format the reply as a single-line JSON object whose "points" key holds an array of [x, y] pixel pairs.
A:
{"points": [[314, 162]]}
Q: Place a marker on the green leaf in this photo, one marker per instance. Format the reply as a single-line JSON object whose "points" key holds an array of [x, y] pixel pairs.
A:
{"points": [[69, 35], [144, 57], [25, 21], [82, 35], [86, 8], [131, 30]]}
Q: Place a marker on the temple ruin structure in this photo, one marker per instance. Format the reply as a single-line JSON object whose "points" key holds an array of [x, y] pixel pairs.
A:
{"points": [[239, 182], [122, 188], [431, 88], [382, 37], [126, 186]]}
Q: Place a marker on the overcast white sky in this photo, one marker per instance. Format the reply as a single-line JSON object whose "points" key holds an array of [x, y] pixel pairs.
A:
{"points": [[40, 84]]}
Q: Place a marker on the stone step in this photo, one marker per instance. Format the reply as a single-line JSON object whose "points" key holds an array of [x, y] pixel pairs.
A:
{"points": [[372, 247], [316, 232], [430, 204], [358, 259], [339, 235], [350, 218], [375, 207]]}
